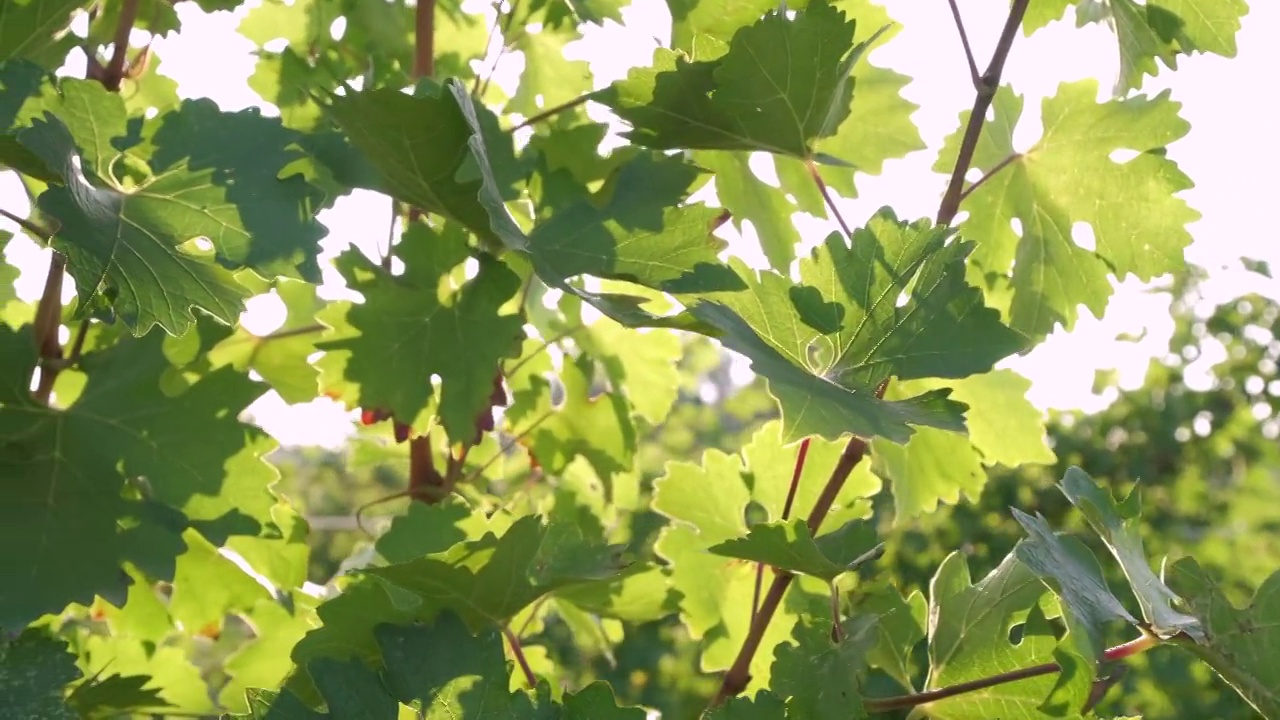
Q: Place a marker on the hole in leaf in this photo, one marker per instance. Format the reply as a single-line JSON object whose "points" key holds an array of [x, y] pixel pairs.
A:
{"points": [[1082, 236], [1123, 155], [264, 314], [1016, 224], [763, 168], [470, 268], [338, 28], [974, 175]]}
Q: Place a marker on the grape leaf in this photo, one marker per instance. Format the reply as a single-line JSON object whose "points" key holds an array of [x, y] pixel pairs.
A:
{"points": [[186, 452], [1137, 223], [280, 357], [443, 668], [140, 246], [825, 345], [1116, 523], [35, 669], [599, 429], [764, 706], [934, 466], [969, 631], [390, 345], [1156, 30], [549, 78], [748, 198], [1239, 644], [763, 94], [264, 661], [821, 680], [707, 504], [788, 545], [30, 28], [418, 143], [207, 585], [531, 559], [900, 625]]}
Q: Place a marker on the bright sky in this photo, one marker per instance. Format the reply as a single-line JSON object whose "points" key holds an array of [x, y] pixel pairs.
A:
{"points": [[1232, 154]]}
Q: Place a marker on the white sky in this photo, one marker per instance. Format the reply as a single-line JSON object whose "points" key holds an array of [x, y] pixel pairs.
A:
{"points": [[1232, 154]]}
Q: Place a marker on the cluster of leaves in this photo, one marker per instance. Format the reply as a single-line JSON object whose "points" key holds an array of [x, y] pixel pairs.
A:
{"points": [[518, 347]]}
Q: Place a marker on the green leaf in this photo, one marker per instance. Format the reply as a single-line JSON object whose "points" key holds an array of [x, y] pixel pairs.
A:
{"points": [[826, 344], [151, 248], [207, 586], [1117, 524], [187, 452], [708, 503], [599, 429], [900, 625], [444, 669], [549, 78], [821, 680], [788, 545], [418, 143], [492, 579], [763, 94], [764, 706], [280, 357], [391, 344], [969, 630], [29, 28], [748, 198], [35, 669], [1155, 30], [1137, 223], [1239, 644]]}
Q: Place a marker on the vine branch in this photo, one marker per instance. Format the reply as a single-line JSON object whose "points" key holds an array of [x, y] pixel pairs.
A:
{"points": [[120, 46], [1119, 652], [968, 50], [739, 673], [987, 86]]}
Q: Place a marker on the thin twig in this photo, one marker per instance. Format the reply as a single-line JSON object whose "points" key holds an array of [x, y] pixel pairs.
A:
{"points": [[481, 88], [552, 112], [545, 344], [987, 176], [385, 260], [739, 673], [990, 82], [502, 451], [120, 45], [795, 478], [1119, 652], [514, 643], [47, 321], [826, 195], [293, 332], [968, 51], [30, 226]]}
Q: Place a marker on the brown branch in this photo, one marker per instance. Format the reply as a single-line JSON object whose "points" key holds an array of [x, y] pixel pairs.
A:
{"points": [[514, 643], [989, 83], [795, 478], [120, 45], [739, 673], [424, 36], [1119, 652], [968, 50], [47, 321]]}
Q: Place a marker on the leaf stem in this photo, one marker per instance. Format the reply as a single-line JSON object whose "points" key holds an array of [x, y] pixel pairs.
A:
{"points": [[739, 673], [552, 112], [47, 321], [30, 226], [424, 38], [826, 196], [987, 86], [1140, 644], [968, 50], [514, 643], [541, 348], [987, 176]]}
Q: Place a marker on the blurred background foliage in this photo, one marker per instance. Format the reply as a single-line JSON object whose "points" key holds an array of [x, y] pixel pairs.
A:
{"points": [[1200, 447]]}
